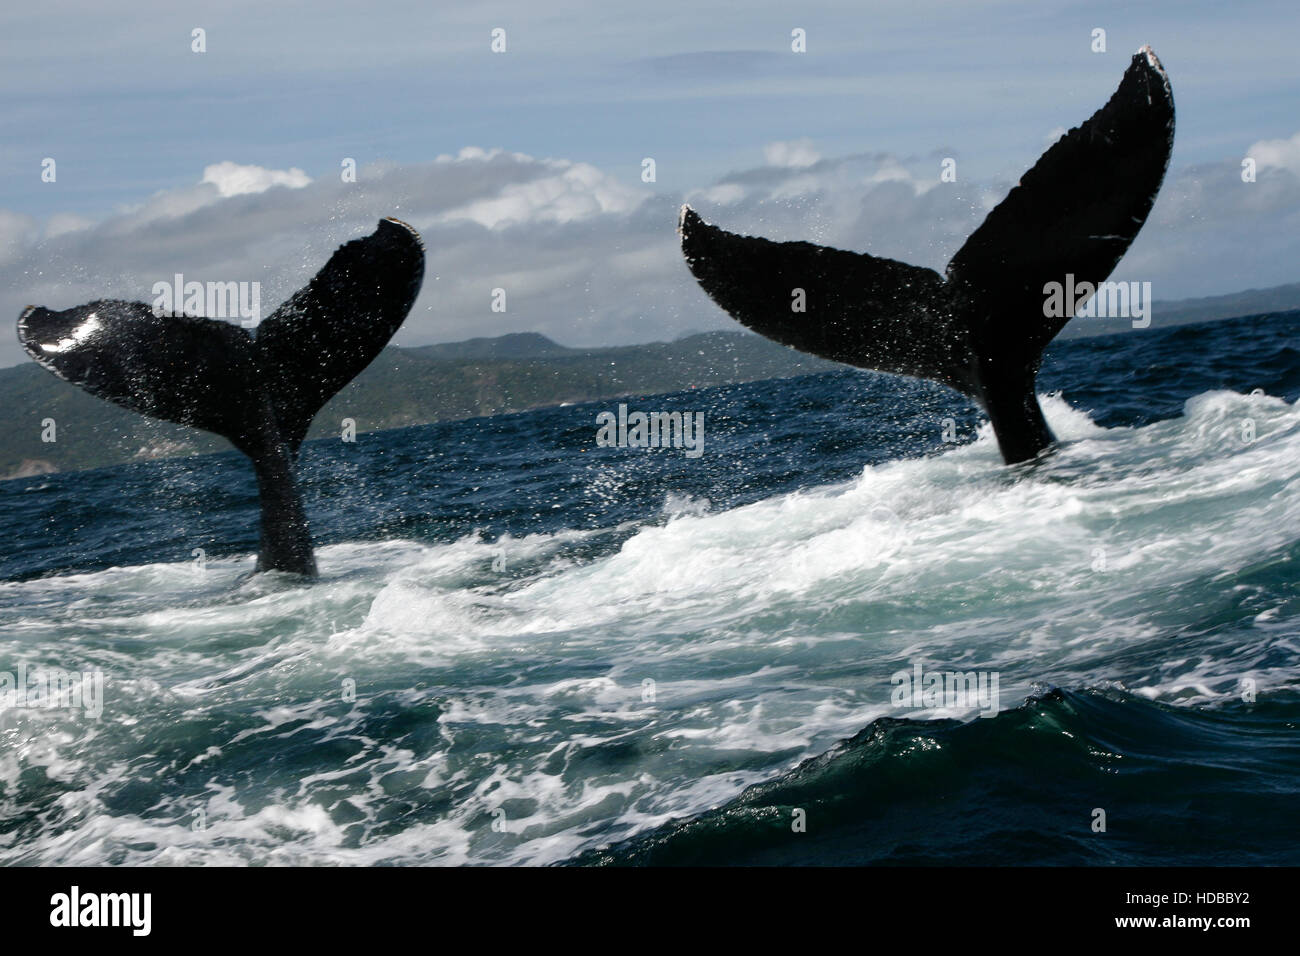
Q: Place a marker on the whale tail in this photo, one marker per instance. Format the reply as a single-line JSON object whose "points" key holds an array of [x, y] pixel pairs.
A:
{"points": [[980, 329], [259, 391]]}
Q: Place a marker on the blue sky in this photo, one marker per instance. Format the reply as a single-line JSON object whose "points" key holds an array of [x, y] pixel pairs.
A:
{"points": [[584, 92]]}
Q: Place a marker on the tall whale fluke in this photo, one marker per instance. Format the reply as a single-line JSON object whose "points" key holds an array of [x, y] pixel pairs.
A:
{"points": [[259, 390], [982, 328]]}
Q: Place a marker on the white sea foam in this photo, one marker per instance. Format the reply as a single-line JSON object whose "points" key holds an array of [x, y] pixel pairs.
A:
{"points": [[577, 700]]}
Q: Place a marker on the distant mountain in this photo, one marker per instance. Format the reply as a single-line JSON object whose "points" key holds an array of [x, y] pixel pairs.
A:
{"points": [[516, 345], [1279, 298], [403, 386], [478, 377]]}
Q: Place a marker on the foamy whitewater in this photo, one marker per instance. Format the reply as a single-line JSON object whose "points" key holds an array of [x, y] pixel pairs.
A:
{"points": [[558, 663]]}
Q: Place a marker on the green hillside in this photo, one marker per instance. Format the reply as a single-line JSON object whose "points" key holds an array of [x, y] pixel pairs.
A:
{"points": [[404, 386]]}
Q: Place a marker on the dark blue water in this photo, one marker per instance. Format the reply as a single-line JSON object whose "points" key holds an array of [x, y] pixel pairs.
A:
{"points": [[501, 590]]}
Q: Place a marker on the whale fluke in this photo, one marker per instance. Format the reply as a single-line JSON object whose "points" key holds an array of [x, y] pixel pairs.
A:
{"points": [[259, 390], [982, 328], [327, 332]]}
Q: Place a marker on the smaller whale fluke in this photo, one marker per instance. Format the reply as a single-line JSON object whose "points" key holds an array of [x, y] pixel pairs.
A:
{"points": [[982, 328], [260, 391]]}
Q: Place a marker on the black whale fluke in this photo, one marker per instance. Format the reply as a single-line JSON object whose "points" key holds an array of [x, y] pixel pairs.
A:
{"points": [[259, 390], [981, 329]]}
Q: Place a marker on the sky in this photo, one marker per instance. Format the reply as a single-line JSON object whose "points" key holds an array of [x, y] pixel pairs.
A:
{"points": [[523, 169]]}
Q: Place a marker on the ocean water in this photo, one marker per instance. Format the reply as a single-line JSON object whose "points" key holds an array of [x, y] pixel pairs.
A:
{"points": [[527, 649]]}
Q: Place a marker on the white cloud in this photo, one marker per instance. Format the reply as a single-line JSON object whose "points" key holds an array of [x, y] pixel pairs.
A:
{"points": [[591, 260], [569, 192], [16, 232], [232, 179], [722, 195], [794, 153], [892, 171], [1278, 153], [472, 153], [62, 222]]}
